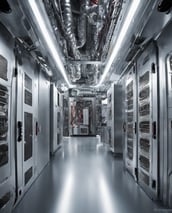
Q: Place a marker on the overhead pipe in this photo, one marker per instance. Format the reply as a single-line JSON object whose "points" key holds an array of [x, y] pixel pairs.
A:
{"points": [[68, 22], [82, 24]]}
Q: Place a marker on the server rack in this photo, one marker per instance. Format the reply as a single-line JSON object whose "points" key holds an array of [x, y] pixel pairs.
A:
{"points": [[148, 120], [130, 152], [114, 118], [56, 118], [7, 63], [65, 115], [117, 119], [26, 122], [169, 155], [109, 117], [82, 118]]}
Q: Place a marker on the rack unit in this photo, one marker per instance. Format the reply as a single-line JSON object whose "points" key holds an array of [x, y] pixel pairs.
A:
{"points": [[65, 115], [82, 116], [7, 179], [130, 123], [114, 118], [56, 118], [169, 110], [109, 117], [148, 121]]}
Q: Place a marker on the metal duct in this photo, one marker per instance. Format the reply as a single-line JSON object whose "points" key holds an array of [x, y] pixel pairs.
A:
{"points": [[68, 21], [82, 24]]}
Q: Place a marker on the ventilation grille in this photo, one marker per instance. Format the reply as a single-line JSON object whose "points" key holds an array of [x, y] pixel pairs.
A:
{"points": [[144, 126], [130, 153], [28, 98], [144, 144], [28, 119], [144, 178], [144, 109], [144, 163], [3, 68], [28, 90], [4, 200], [28, 175], [3, 154], [144, 80], [28, 82]]}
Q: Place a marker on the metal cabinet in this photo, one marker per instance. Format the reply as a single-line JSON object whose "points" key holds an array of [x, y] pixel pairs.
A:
{"points": [[109, 118], [7, 178], [169, 112], [56, 126], [130, 151], [148, 120], [27, 94], [114, 118]]}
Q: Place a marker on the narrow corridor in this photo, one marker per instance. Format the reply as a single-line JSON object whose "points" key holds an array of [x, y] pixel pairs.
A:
{"points": [[84, 177]]}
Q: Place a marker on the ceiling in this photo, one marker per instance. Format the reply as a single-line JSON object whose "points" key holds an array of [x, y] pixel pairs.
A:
{"points": [[83, 44]]}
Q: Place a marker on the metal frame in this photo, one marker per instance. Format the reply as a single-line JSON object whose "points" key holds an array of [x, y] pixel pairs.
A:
{"points": [[148, 123], [7, 177], [27, 68], [131, 120]]}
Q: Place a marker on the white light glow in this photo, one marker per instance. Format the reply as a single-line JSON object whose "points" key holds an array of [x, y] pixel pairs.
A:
{"points": [[118, 43], [48, 38], [106, 196], [64, 203]]}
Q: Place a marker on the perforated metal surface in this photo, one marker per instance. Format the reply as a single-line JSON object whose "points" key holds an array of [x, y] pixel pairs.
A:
{"points": [[28, 175], [3, 68], [28, 133], [3, 154], [4, 200], [28, 98]]}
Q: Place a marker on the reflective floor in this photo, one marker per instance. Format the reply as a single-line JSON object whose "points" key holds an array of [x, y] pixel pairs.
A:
{"points": [[84, 177]]}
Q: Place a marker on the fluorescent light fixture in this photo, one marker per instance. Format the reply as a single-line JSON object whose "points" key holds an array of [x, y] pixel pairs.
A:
{"points": [[118, 43], [48, 38]]}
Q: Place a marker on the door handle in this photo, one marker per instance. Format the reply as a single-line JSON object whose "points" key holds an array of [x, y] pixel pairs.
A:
{"points": [[154, 130], [20, 131]]}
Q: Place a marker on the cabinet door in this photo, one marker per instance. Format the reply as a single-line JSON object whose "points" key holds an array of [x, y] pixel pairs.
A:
{"points": [[25, 147], [148, 121], [130, 121]]}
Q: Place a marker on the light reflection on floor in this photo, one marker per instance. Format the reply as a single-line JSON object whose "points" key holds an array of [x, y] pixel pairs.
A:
{"points": [[84, 177]]}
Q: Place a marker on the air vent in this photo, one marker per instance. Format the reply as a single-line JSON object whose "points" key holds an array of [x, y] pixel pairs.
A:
{"points": [[28, 119], [4, 200], [3, 67], [3, 155], [5, 7], [28, 174]]}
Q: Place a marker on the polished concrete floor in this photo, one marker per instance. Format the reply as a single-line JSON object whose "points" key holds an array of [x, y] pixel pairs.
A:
{"points": [[84, 177]]}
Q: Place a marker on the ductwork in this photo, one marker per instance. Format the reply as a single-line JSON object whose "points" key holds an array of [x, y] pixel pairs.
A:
{"points": [[68, 21], [82, 24], [86, 28]]}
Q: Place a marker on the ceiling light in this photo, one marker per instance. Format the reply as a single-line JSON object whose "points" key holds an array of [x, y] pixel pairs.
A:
{"points": [[47, 35], [118, 43]]}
